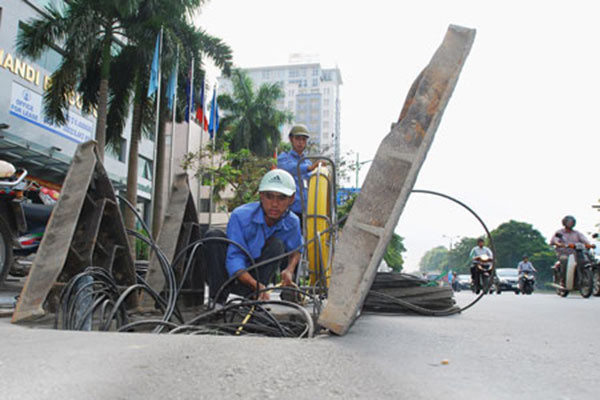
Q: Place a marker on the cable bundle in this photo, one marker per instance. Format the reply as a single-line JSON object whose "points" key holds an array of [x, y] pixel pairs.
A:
{"points": [[92, 300]]}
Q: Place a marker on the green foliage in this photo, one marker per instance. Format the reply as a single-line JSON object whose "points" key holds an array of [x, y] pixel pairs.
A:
{"points": [[543, 262], [252, 119], [393, 253], [513, 239], [434, 260], [241, 169], [142, 249], [344, 209]]}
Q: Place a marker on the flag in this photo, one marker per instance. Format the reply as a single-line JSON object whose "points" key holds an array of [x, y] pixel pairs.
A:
{"points": [[213, 125], [189, 93], [200, 110], [153, 85], [172, 87]]}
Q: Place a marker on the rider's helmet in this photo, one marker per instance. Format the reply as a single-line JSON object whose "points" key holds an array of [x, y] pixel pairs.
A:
{"points": [[525, 256], [278, 180], [569, 218], [299, 130]]}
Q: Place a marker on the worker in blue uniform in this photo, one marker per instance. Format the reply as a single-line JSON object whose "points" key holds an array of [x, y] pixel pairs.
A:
{"points": [[289, 161], [265, 229]]}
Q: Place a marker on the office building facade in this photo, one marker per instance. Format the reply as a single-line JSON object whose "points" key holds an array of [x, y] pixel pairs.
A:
{"points": [[311, 93]]}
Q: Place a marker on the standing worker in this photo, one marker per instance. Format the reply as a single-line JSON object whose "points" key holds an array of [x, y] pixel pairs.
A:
{"points": [[289, 161], [266, 230]]}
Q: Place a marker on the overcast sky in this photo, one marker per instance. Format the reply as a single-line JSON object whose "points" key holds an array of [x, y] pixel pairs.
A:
{"points": [[519, 138]]}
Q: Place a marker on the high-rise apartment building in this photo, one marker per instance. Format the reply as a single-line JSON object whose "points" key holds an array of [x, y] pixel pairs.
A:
{"points": [[311, 93]]}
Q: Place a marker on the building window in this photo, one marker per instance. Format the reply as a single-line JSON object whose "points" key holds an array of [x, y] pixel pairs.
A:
{"points": [[315, 71], [294, 73], [315, 82], [145, 168], [266, 74]]}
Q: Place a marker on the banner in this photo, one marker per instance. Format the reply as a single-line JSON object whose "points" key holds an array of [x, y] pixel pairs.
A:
{"points": [[27, 105]]}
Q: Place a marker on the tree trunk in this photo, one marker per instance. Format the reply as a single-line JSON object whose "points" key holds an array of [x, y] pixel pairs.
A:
{"points": [[132, 165], [103, 94], [159, 179]]}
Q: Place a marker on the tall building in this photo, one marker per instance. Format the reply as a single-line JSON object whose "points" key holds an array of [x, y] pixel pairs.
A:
{"points": [[311, 93]]}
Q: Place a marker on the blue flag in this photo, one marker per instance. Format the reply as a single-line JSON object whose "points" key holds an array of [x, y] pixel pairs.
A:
{"points": [[153, 85], [171, 87], [213, 124]]}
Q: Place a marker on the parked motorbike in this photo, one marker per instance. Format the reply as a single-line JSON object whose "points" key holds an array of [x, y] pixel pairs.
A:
{"points": [[526, 282], [579, 271], [25, 208], [485, 271]]}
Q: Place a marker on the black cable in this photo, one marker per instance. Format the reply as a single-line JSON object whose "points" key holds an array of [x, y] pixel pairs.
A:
{"points": [[452, 310]]}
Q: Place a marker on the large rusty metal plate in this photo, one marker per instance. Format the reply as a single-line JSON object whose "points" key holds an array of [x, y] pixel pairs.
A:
{"points": [[179, 228], [390, 180], [85, 228]]}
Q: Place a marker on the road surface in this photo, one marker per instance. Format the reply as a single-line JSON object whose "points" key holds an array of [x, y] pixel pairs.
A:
{"points": [[506, 347]]}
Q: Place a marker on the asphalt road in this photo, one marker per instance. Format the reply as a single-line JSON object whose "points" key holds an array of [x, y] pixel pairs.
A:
{"points": [[506, 347]]}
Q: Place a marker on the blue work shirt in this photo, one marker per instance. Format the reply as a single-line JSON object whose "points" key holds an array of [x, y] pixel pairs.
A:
{"points": [[247, 226], [289, 162]]}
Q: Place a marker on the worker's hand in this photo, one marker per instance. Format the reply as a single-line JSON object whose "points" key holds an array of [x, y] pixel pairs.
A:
{"points": [[287, 277], [317, 163], [263, 295]]}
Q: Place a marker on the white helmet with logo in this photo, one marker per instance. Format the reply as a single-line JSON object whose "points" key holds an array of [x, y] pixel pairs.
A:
{"points": [[278, 180]]}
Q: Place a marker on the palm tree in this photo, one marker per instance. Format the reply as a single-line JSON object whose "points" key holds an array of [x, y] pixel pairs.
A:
{"points": [[88, 31], [252, 120], [128, 82]]}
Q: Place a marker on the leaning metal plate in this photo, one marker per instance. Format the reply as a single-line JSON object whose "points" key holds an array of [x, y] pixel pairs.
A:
{"points": [[390, 180]]}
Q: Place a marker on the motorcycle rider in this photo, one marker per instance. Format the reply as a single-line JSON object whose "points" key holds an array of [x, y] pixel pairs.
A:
{"points": [[524, 266], [475, 255], [561, 241]]}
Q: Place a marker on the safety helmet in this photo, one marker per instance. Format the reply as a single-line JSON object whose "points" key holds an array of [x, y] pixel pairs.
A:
{"points": [[568, 217], [299, 130], [278, 180]]}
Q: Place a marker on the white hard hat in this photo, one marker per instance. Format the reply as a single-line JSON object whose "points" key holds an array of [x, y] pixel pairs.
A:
{"points": [[278, 180], [6, 169]]}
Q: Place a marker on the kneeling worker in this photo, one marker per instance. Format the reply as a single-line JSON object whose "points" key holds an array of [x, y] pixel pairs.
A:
{"points": [[265, 229]]}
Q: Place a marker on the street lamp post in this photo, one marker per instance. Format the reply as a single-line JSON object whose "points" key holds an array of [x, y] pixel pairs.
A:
{"points": [[358, 164]]}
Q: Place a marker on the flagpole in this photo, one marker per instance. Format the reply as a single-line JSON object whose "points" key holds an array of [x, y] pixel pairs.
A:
{"points": [[173, 121], [212, 159], [190, 105], [155, 153], [201, 152]]}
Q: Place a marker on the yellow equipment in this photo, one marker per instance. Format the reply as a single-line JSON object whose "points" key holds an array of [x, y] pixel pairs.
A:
{"points": [[319, 217]]}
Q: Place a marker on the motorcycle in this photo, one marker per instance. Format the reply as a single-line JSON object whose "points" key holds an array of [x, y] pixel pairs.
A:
{"points": [[579, 271], [484, 275], [526, 282], [25, 207]]}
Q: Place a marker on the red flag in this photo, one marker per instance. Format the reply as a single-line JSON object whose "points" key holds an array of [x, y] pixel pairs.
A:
{"points": [[200, 110]]}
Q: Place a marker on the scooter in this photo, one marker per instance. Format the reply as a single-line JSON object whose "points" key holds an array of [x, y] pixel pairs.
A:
{"points": [[25, 208], [485, 271], [579, 271], [526, 282]]}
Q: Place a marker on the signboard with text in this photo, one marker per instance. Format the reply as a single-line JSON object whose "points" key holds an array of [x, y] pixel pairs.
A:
{"points": [[27, 105]]}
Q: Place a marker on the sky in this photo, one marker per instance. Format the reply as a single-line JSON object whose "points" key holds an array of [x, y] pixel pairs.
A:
{"points": [[519, 137]]}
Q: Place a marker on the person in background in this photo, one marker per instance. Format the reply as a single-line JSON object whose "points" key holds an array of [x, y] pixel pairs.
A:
{"points": [[475, 255], [288, 161]]}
